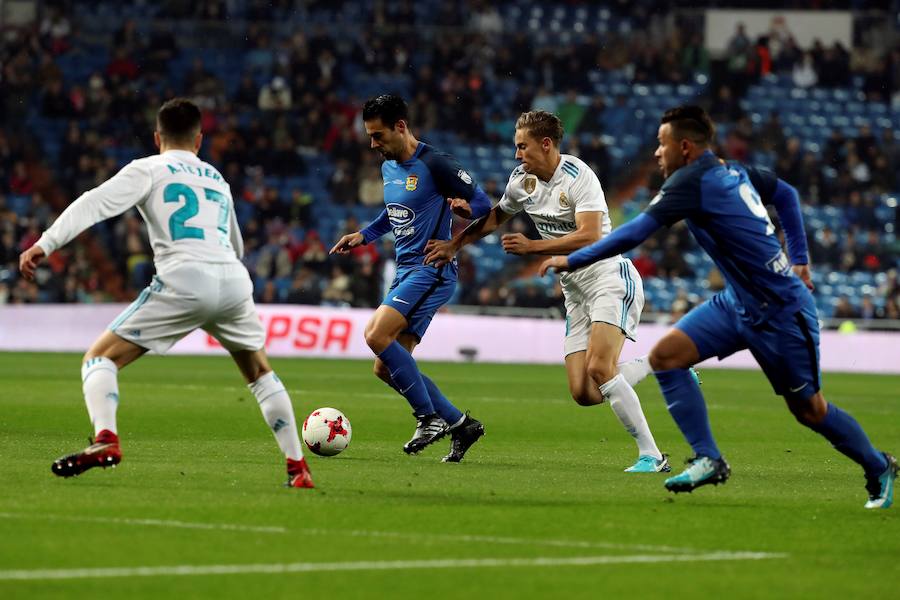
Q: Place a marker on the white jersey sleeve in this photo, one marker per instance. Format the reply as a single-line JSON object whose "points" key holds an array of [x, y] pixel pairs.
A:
{"points": [[237, 242], [124, 190], [514, 196]]}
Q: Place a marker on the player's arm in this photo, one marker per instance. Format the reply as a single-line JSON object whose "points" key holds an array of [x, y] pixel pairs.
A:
{"points": [[622, 239], [454, 183], [440, 252], [588, 227], [234, 233], [374, 230], [786, 200], [125, 189]]}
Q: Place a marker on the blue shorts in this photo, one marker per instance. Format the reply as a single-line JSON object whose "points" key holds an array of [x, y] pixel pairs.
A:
{"points": [[418, 292], [786, 345]]}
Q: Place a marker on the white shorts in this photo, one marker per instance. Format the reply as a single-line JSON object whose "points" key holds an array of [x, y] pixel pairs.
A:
{"points": [[613, 294], [217, 298]]}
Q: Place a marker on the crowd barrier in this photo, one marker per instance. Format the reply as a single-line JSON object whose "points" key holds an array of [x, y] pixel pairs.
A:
{"points": [[313, 331]]}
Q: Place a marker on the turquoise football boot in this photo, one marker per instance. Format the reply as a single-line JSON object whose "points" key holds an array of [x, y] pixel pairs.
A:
{"points": [[650, 464], [702, 470], [881, 488]]}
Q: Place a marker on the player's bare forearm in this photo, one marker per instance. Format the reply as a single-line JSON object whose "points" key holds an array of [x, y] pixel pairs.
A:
{"points": [[480, 228], [440, 252], [566, 244]]}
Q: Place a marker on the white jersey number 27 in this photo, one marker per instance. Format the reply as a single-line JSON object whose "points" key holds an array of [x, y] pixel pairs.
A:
{"points": [[174, 192]]}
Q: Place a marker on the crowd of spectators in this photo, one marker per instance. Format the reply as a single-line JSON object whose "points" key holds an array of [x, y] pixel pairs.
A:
{"points": [[290, 108]]}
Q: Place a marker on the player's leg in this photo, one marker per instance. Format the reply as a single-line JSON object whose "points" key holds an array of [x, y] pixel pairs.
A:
{"points": [[603, 351], [708, 330], [278, 413], [99, 376], [442, 405], [788, 351], [100, 385], [381, 333], [637, 369], [578, 331], [235, 324]]}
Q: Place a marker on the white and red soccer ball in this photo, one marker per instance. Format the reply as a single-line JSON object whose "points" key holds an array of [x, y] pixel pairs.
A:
{"points": [[326, 431]]}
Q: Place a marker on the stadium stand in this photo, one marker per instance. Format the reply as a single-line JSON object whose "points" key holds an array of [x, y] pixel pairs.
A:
{"points": [[281, 86]]}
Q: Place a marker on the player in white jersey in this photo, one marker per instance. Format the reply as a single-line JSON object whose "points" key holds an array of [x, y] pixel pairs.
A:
{"points": [[563, 197], [200, 283]]}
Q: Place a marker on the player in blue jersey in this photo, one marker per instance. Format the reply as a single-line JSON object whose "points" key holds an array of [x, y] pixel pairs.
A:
{"points": [[766, 306], [421, 187]]}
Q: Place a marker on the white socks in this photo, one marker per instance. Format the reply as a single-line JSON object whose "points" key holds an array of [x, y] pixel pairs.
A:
{"points": [[624, 402], [279, 414], [101, 392], [634, 371]]}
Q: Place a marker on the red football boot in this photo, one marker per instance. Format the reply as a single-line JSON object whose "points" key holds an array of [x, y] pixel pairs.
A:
{"points": [[298, 474], [103, 452]]}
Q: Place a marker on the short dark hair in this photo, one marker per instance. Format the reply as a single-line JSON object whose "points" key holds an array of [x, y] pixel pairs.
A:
{"points": [[541, 124], [387, 107], [178, 120], [690, 122]]}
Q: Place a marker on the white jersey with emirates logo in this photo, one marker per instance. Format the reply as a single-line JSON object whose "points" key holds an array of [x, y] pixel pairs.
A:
{"points": [[552, 205], [185, 202]]}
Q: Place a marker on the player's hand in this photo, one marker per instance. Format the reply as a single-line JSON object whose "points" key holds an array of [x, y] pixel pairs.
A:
{"points": [[29, 260], [347, 243], [516, 243], [439, 252], [805, 275], [558, 263], [460, 208]]}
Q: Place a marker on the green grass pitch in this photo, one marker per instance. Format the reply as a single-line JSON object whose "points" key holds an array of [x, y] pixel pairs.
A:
{"points": [[539, 509]]}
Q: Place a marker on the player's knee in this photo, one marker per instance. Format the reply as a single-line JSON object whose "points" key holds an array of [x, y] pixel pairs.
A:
{"points": [[583, 398], [662, 359], [376, 340], [808, 411], [601, 371]]}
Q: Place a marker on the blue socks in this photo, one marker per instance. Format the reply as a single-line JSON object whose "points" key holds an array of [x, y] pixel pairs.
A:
{"points": [[407, 379], [686, 405], [421, 393], [448, 412], [848, 438]]}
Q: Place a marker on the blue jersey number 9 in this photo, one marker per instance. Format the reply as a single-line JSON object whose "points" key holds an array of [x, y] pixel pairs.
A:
{"points": [[751, 199]]}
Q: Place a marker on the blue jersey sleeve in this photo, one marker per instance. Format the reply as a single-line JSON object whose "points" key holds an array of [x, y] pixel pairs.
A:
{"points": [[377, 228], [450, 179], [622, 239], [678, 199], [786, 201], [784, 197]]}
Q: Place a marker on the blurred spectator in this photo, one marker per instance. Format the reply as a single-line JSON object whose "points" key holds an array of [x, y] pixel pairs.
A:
{"points": [[275, 96], [845, 310]]}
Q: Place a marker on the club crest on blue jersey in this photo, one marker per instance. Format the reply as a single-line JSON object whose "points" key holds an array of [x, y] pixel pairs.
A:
{"points": [[411, 182]]}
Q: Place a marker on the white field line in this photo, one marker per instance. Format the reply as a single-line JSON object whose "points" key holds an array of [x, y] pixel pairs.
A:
{"points": [[149, 523], [387, 395], [503, 540], [365, 533], [385, 565]]}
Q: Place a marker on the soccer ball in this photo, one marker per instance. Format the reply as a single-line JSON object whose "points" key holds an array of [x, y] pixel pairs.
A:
{"points": [[326, 431]]}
